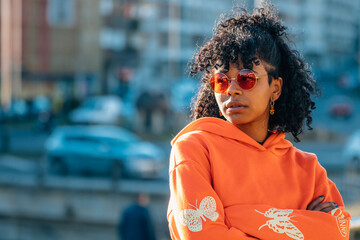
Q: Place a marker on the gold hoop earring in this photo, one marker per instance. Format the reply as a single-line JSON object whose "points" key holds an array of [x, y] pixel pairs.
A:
{"points": [[272, 107], [220, 113]]}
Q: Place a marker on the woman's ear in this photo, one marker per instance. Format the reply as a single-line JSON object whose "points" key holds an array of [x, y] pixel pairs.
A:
{"points": [[277, 86]]}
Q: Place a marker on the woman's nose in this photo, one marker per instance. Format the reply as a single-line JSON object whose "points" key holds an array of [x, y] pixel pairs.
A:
{"points": [[234, 88]]}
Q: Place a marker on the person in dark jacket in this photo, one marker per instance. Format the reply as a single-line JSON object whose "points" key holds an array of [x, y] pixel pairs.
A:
{"points": [[136, 223]]}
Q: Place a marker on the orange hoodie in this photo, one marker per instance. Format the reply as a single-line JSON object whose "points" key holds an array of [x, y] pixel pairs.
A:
{"points": [[225, 185]]}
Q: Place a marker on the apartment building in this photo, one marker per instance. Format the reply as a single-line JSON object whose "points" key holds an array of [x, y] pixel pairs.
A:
{"points": [[326, 31], [173, 31], [60, 50]]}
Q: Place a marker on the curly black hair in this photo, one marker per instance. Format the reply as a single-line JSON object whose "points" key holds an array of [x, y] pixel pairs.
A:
{"points": [[241, 36]]}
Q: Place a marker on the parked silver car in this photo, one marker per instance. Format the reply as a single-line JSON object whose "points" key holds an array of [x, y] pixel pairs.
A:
{"points": [[98, 110], [106, 150], [351, 153]]}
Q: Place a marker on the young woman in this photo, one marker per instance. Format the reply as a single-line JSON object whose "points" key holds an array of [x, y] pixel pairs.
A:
{"points": [[233, 175]]}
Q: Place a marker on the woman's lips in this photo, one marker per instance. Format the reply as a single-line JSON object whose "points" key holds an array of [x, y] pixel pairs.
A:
{"points": [[233, 107]]}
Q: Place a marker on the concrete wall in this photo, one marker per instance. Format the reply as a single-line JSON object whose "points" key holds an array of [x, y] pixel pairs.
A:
{"points": [[66, 211]]}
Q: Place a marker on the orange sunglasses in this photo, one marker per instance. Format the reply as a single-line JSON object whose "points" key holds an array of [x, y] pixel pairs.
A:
{"points": [[246, 79]]}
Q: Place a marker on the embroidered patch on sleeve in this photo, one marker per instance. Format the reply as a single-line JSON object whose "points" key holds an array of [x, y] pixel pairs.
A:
{"points": [[280, 222], [193, 217], [341, 221]]}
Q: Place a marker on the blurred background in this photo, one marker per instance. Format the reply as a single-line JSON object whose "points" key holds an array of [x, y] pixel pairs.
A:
{"points": [[92, 92]]}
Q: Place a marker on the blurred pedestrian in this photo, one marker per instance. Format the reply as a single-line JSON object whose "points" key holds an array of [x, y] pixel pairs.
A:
{"points": [[4, 136], [57, 106], [161, 110], [135, 223], [144, 107]]}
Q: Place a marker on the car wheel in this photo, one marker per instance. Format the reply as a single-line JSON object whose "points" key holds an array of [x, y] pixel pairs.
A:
{"points": [[59, 166], [116, 170]]}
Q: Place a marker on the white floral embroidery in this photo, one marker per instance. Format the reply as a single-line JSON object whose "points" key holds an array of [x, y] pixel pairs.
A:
{"points": [[192, 217], [281, 222]]}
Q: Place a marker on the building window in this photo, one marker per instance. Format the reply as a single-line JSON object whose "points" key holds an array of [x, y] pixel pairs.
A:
{"points": [[61, 13]]}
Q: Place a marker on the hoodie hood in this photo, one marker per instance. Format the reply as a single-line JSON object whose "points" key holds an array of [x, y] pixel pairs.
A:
{"points": [[275, 143]]}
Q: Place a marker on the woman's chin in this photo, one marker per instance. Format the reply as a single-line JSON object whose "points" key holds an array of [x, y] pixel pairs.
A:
{"points": [[236, 119]]}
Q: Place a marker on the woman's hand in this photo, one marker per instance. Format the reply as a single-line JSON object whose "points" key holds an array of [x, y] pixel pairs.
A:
{"points": [[316, 205]]}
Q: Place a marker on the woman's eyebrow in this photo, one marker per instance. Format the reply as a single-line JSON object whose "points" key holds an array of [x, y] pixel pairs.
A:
{"points": [[223, 70], [250, 70]]}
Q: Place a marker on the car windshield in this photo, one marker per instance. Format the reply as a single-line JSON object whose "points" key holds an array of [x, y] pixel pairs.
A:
{"points": [[92, 104], [109, 135], [82, 139], [99, 140]]}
